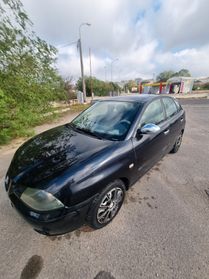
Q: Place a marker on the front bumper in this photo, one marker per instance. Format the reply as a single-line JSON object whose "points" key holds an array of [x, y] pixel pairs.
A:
{"points": [[54, 222]]}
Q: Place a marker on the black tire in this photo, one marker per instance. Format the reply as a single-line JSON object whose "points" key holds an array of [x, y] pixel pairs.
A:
{"points": [[109, 200], [177, 143]]}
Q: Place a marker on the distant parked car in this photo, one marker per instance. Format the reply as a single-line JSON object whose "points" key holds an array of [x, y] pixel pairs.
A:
{"points": [[79, 172]]}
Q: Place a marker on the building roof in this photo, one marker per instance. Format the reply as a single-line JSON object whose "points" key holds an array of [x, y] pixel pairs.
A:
{"points": [[179, 79]]}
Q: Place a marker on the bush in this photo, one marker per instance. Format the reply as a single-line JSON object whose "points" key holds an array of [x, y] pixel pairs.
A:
{"points": [[28, 79], [16, 119], [99, 87]]}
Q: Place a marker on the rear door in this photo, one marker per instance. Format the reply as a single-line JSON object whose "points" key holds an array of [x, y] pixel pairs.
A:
{"points": [[150, 148], [175, 116]]}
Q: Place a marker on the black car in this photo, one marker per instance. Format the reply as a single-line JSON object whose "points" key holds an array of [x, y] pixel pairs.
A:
{"points": [[78, 173]]}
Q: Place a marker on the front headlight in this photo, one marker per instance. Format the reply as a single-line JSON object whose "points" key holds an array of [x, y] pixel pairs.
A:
{"points": [[40, 200]]}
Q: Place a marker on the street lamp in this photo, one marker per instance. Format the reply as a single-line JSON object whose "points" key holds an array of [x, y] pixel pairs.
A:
{"points": [[111, 66], [81, 60], [105, 73]]}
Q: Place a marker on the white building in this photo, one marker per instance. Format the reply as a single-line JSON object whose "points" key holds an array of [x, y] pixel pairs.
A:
{"points": [[177, 85]]}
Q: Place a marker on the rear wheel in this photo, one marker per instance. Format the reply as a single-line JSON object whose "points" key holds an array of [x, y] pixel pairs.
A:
{"points": [[177, 143], [106, 206]]}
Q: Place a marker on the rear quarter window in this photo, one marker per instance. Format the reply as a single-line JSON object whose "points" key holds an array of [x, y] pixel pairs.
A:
{"points": [[170, 107], [177, 104]]}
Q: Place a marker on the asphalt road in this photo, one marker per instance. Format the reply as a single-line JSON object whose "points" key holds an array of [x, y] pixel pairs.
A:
{"points": [[162, 231]]}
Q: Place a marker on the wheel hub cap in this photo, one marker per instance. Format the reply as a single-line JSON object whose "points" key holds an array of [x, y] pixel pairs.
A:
{"points": [[110, 205]]}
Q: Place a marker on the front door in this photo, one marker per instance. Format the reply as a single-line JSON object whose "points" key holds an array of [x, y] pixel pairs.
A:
{"points": [[151, 147]]}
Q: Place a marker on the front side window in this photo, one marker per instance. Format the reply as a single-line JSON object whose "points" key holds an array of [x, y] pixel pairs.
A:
{"points": [[170, 107], [107, 119], [153, 113]]}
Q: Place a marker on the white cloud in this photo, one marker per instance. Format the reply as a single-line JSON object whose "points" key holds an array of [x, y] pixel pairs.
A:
{"points": [[182, 23], [147, 36], [194, 59]]}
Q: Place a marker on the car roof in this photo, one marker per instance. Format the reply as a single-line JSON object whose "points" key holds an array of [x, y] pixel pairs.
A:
{"points": [[142, 98]]}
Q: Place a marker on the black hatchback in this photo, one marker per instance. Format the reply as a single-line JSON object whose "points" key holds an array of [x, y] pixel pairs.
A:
{"points": [[79, 173]]}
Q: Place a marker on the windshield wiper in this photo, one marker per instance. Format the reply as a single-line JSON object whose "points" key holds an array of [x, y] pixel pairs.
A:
{"points": [[87, 131]]}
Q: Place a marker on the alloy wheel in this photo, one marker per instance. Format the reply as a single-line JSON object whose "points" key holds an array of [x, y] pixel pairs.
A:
{"points": [[110, 205]]}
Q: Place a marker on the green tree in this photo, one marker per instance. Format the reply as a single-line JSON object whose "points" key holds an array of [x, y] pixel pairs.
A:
{"points": [[201, 86], [130, 84], [164, 76], [99, 87], [70, 89], [28, 79], [183, 73]]}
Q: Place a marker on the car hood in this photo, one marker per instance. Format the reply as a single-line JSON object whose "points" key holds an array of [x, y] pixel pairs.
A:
{"points": [[46, 155]]}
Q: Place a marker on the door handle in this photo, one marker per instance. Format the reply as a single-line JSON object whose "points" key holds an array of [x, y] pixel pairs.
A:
{"points": [[166, 132]]}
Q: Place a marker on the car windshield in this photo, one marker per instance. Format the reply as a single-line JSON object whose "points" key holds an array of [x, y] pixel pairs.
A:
{"points": [[107, 119]]}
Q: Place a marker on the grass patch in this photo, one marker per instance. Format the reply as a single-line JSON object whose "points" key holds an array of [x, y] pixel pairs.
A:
{"points": [[20, 122], [79, 107]]}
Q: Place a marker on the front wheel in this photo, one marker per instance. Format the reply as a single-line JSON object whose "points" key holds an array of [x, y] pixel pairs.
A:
{"points": [[177, 144], [106, 206]]}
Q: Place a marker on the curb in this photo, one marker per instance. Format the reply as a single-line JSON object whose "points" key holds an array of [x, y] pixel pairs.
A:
{"points": [[192, 96]]}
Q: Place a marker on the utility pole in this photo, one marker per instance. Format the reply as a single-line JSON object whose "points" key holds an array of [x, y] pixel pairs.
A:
{"points": [[153, 76], [111, 66], [90, 67], [82, 71], [81, 60], [105, 72]]}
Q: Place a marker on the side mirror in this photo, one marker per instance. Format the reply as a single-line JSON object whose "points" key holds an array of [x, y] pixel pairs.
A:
{"points": [[149, 129]]}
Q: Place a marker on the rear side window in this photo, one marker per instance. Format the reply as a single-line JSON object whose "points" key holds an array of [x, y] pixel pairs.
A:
{"points": [[177, 104], [170, 107], [153, 113]]}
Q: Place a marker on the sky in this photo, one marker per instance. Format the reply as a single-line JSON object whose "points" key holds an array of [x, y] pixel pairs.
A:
{"points": [[146, 36]]}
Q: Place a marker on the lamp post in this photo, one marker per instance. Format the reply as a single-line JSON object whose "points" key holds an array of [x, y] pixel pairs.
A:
{"points": [[90, 67], [105, 73], [81, 60], [111, 66], [153, 76]]}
